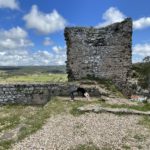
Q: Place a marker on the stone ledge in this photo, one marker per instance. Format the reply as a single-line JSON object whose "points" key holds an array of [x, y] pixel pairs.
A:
{"points": [[99, 109]]}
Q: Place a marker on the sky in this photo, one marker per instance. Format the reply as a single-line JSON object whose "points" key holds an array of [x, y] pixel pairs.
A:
{"points": [[32, 31]]}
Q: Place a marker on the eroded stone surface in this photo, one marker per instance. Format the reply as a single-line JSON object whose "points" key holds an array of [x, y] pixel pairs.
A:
{"points": [[100, 52]]}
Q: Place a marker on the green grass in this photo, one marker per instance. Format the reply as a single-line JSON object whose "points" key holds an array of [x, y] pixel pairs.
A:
{"points": [[23, 70], [142, 73], [104, 83], [33, 117], [140, 106], [139, 137], [6, 144], [126, 147], [145, 121], [88, 146], [44, 78]]}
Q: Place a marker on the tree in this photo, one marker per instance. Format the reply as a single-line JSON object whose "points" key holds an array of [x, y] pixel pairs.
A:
{"points": [[146, 59]]}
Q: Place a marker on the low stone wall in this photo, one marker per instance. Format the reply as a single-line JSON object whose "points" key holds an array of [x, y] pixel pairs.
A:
{"points": [[37, 94]]}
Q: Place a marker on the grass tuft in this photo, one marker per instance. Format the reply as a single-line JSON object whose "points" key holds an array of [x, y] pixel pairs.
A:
{"points": [[145, 121], [89, 146], [140, 107]]}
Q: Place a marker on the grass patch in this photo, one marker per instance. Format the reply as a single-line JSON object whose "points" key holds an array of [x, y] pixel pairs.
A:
{"points": [[145, 121], [105, 83], [126, 147], [139, 137], [8, 122], [11, 115], [78, 126], [110, 86], [140, 107], [139, 147], [6, 144], [76, 104], [74, 111], [85, 147]]}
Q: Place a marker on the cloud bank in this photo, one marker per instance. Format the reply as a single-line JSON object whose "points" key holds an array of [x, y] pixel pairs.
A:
{"points": [[44, 23], [113, 15], [16, 49], [47, 41], [141, 23], [11, 4]]}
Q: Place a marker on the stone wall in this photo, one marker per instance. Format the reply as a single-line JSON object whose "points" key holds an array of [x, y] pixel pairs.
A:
{"points": [[37, 94], [100, 52], [23, 94]]}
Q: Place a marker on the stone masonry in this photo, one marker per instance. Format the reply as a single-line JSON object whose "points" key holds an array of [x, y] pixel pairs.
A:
{"points": [[38, 94], [100, 52]]}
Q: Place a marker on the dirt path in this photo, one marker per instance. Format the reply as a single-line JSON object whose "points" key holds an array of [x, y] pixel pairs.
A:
{"points": [[106, 131]]}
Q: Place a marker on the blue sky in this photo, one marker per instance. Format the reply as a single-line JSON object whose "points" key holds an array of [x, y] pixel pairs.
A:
{"points": [[31, 31]]}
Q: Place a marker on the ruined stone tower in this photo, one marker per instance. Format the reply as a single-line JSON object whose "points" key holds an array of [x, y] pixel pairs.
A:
{"points": [[99, 52]]}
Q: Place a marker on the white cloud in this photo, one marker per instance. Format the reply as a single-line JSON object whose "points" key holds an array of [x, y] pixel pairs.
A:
{"points": [[14, 44], [12, 4], [141, 23], [142, 49], [60, 54], [15, 49], [48, 58], [27, 58], [111, 15], [48, 41], [136, 59], [14, 33], [14, 38], [58, 49], [44, 23], [41, 58]]}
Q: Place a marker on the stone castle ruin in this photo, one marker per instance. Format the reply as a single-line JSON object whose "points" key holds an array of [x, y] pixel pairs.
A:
{"points": [[91, 52], [100, 52]]}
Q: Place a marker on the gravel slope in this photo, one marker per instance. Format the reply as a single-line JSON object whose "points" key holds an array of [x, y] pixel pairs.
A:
{"points": [[104, 130]]}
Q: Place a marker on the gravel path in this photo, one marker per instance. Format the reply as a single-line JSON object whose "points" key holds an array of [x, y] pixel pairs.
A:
{"points": [[104, 130]]}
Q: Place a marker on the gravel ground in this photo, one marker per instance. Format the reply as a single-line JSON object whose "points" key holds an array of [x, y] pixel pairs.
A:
{"points": [[104, 130]]}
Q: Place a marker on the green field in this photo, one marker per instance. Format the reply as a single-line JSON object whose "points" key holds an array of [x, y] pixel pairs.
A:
{"points": [[33, 74], [34, 78], [22, 70]]}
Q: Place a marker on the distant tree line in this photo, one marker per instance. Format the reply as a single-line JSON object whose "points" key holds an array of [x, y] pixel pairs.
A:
{"points": [[143, 72]]}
